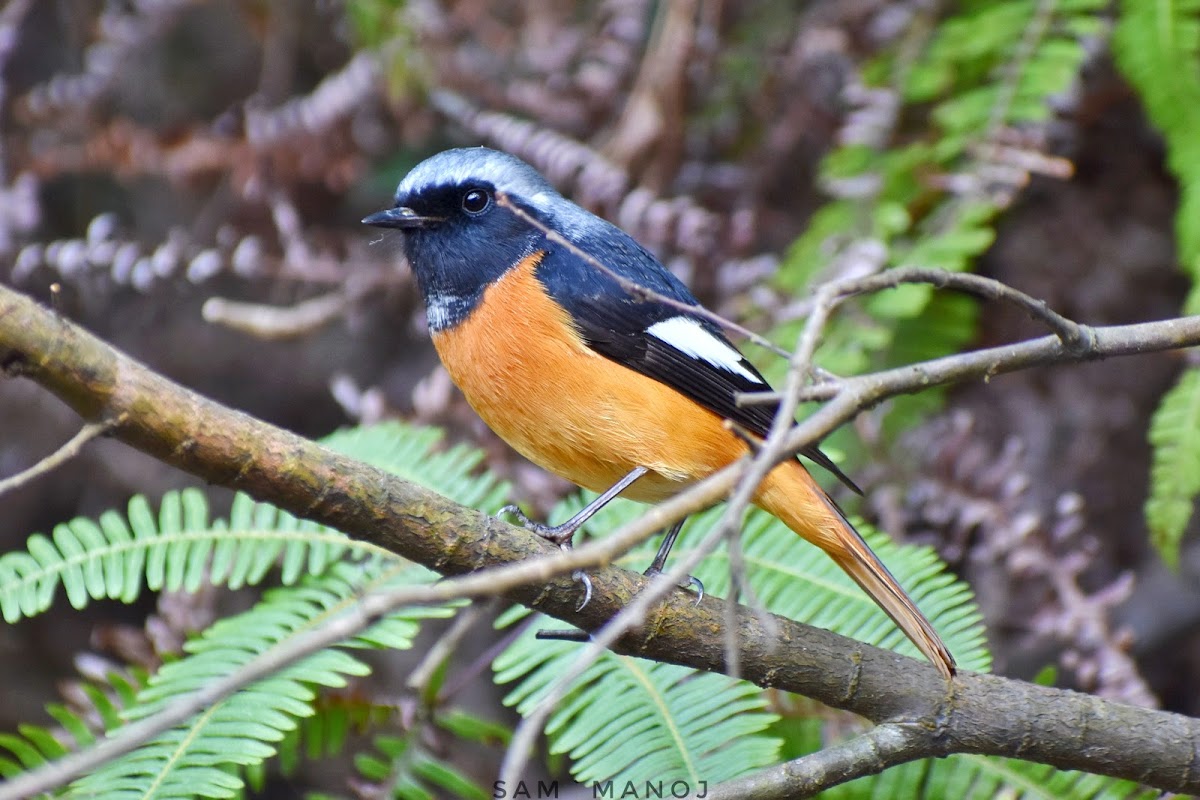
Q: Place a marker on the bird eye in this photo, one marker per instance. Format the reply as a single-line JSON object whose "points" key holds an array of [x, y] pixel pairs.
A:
{"points": [[476, 201]]}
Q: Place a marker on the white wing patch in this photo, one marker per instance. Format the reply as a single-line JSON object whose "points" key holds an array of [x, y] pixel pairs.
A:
{"points": [[688, 336]]}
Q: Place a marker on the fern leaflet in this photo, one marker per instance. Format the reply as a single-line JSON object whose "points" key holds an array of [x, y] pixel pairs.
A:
{"points": [[195, 759], [971, 777], [1175, 473]]}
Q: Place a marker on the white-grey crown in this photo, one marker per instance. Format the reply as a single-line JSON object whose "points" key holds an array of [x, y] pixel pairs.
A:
{"points": [[507, 173]]}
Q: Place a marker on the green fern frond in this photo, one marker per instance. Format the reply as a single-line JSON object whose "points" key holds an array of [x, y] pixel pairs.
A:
{"points": [[32, 748], [116, 557], [323, 735], [98, 709], [411, 452], [994, 65], [406, 763], [408, 771], [637, 719], [402, 766], [1157, 47], [1175, 473], [970, 777], [197, 759], [1001, 62], [181, 548]]}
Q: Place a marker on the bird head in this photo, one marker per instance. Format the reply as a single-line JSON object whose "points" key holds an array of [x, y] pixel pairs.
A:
{"points": [[457, 236]]}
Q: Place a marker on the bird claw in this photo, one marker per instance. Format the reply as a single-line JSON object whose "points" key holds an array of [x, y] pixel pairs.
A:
{"points": [[562, 534], [513, 510], [692, 582], [574, 635], [582, 577], [558, 534]]}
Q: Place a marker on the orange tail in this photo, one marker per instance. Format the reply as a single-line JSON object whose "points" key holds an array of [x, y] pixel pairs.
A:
{"points": [[791, 494]]}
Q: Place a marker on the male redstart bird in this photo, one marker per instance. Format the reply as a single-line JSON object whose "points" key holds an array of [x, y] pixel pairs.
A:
{"points": [[610, 388]]}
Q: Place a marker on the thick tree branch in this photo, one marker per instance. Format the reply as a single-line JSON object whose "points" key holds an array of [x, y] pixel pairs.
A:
{"points": [[975, 714]]}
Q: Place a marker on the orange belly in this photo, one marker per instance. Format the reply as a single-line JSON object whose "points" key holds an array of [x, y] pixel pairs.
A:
{"points": [[527, 373]]}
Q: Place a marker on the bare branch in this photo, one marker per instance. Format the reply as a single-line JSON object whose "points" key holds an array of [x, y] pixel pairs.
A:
{"points": [[58, 457], [869, 753], [1076, 339], [444, 647], [273, 322], [864, 391]]}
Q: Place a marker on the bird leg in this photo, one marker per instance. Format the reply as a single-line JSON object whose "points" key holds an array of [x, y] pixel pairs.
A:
{"points": [[660, 559], [562, 534], [655, 569]]}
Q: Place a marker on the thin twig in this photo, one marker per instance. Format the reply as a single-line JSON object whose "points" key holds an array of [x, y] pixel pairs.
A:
{"points": [[444, 647], [633, 287], [1076, 339], [466, 676], [772, 451], [774, 448], [273, 323], [869, 753], [58, 457]]}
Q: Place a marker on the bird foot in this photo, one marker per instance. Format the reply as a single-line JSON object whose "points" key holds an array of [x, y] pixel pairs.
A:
{"points": [[558, 534], [692, 581]]}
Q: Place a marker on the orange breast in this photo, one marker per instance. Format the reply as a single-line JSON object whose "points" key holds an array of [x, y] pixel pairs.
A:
{"points": [[526, 372]]}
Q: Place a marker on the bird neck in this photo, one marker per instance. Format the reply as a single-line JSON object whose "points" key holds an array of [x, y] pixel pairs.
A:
{"points": [[453, 279]]}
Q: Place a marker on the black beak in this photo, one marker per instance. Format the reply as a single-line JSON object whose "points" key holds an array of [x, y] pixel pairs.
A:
{"points": [[400, 217]]}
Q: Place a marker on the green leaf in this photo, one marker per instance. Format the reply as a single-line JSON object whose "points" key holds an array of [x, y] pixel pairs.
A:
{"points": [[449, 779], [1157, 48], [641, 720], [177, 547], [1175, 470], [244, 728], [182, 548], [474, 729], [970, 777]]}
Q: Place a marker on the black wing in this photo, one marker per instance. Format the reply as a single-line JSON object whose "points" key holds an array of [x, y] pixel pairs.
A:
{"points": [[619, 326]]}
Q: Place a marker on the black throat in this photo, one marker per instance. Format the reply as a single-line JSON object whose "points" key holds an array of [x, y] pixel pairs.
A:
{"points": [[457, 260]]}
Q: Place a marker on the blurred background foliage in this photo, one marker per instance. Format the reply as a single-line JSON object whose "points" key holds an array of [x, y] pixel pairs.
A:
{"points": [[185, 177]]}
